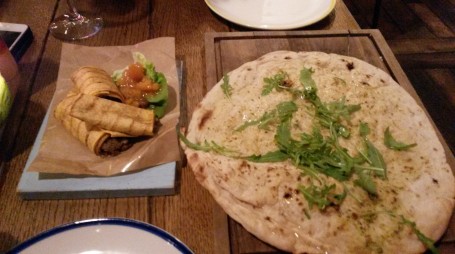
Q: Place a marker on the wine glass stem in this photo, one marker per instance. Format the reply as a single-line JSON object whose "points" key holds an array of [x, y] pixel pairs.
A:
{"points": [[73, 13]]}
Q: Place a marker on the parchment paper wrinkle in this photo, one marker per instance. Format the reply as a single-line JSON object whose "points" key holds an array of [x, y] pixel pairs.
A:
{"points": [[60, 152]]}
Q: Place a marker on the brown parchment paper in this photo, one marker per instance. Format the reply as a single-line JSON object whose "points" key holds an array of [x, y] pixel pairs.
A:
{"points": [[60, 152]]}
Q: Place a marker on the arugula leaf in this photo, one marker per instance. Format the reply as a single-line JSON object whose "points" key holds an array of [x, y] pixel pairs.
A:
{"points": [[429, 243], [391, 143], [192, 145], [329, 114], [283, 135], [286, 109], [274, 82], [314, 151], [283, 111], [275, 156], [308, 83], [364, 129], [262, 122], [365, 181], [227, 88], [371, 154], [322, 196], [211, 146], [376, 159]]}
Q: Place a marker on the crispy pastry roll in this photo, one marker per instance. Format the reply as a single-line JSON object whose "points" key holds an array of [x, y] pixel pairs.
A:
{"points": [[101, 142], [94, 113], [113, 116], [96, 82]]}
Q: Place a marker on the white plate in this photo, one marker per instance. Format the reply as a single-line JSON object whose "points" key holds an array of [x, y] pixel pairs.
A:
{"points": [[272, 14], [103, 236]]}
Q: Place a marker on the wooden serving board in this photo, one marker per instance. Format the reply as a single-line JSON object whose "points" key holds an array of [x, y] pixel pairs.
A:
{"points": [[225, 52]]}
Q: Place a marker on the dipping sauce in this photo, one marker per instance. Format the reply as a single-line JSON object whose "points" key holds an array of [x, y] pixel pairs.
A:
{"points": [[136, 86]]}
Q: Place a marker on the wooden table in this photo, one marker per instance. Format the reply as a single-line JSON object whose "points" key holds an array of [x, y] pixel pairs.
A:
{"points": [[190, 215]]}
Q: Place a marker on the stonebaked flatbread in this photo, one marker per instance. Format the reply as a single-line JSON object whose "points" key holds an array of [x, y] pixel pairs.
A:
{"points": [[410, 205]]}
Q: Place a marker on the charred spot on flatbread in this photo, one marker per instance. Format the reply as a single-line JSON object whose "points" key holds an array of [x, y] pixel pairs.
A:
{"points": [[193, 159], [287, 195], [350, 66], [205, 117], [244, 165]]}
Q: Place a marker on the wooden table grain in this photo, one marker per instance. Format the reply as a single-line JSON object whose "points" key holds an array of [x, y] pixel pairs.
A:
{"points": [[191, 215]]}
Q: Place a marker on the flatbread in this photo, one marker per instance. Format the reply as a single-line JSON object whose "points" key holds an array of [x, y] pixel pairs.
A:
{"points": [[265, 197]]}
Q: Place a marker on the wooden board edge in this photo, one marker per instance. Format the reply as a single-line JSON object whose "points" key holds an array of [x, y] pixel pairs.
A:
{"points": [[210, 60], [221, 239]]}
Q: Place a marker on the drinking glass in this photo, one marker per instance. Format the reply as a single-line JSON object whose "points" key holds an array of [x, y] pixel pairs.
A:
{"points": [[74, 26]]}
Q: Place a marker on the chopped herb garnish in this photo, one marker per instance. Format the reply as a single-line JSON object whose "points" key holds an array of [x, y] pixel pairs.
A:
{"points": [[227, 88], [392, 143]]}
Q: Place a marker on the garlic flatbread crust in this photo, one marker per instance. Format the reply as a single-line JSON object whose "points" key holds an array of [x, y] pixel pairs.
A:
{"points": [[264, 197]]}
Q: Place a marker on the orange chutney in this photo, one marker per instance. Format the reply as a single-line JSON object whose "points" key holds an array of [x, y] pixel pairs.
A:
{"points": [[136, 86]]}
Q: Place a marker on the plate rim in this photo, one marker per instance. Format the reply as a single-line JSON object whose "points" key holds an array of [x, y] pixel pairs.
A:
{"points": [[161, 233], [273, 27]]}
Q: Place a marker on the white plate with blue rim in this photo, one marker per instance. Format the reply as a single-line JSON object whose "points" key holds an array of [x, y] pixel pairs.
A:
{"points": [[103, 236], [272, 14]]}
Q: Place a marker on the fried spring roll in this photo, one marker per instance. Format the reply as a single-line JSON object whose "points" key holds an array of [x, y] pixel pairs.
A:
{"points": [[101, 142], [113, 116], [96, 82]]}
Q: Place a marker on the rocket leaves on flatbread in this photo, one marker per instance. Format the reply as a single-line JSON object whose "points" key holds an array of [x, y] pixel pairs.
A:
{"points": [[318, 177], [315, 151]]}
